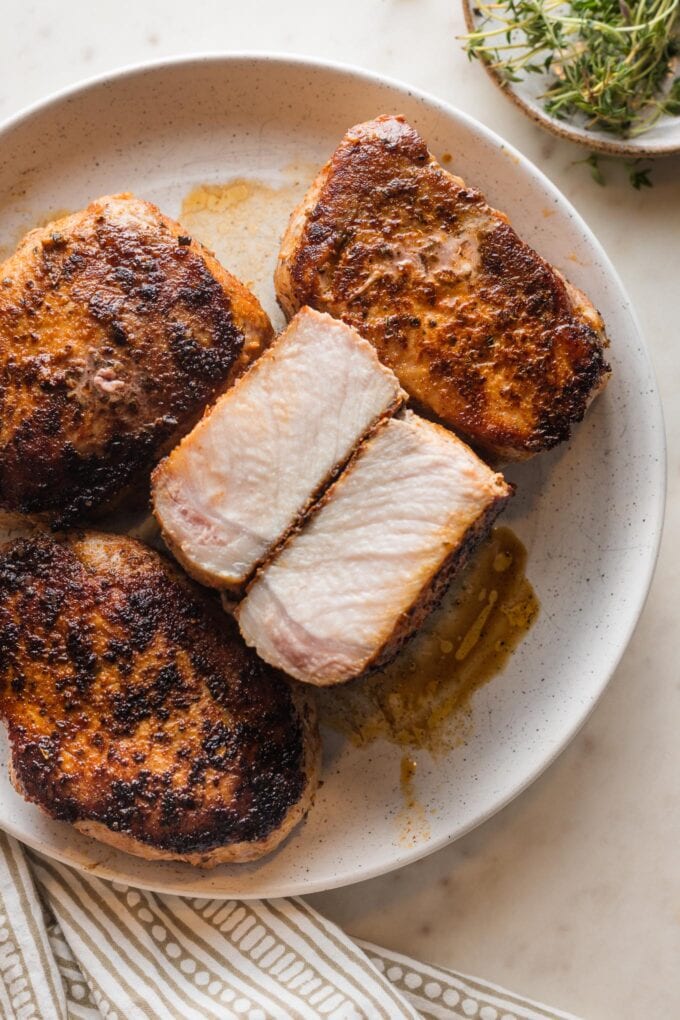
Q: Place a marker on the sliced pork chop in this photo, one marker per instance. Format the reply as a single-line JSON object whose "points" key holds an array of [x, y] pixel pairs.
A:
{"points": [[136, 712], [116, 331], [375, 555], [482, 332], [248, 471]]}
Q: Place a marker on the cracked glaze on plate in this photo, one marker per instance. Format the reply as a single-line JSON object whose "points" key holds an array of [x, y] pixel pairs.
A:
{"points": [[590, 513]]}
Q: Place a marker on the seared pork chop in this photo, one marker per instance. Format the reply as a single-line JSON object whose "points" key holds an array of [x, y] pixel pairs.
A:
{"points": [[116, 330], [136, 712], [375, 555], [482, 332], [249, 470]]}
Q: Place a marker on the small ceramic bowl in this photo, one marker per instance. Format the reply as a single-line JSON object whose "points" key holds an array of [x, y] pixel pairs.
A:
{"points": [[663, 139]]}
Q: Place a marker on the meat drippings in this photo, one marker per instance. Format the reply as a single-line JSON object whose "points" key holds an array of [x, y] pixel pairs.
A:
{"points": [[412, 819], [242, 221], [423, 698]]}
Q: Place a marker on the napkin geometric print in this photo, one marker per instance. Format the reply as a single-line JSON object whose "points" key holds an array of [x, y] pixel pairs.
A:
{"points": [[74, 947]]}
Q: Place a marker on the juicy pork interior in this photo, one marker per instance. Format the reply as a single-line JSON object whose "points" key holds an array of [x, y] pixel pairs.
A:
{"points": [[136, 712], [482, 332], [252, 466], [116, 330], [376, 553]]}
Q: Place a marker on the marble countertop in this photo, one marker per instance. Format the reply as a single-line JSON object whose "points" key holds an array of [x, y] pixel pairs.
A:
{"points": [[571, 895]]}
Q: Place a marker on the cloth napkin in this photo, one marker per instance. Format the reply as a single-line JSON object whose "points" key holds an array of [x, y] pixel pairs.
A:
{"points": [[74, 946]]}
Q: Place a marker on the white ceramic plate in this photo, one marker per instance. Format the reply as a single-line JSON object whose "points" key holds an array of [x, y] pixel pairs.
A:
{"points": [[590, 513], [662, 139]]}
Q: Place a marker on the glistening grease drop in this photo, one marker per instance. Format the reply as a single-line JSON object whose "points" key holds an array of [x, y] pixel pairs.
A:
{"points": [[422, 699]]}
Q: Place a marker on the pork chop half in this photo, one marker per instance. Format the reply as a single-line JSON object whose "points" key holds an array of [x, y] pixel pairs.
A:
{"points": [[483, 333], [245, 476], [376, 555], [116, 331], [136, 712]]}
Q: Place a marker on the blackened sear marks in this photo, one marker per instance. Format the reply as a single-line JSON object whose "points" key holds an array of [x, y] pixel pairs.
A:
{"points": [[158, 694], [483, 333], [92, 477], [79, 648], [132, 701], [140, 612], [112, 342], [193, 357]]}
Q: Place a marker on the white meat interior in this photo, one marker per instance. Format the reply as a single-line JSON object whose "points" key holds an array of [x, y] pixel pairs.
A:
{"points": [[335, 596], [242, 477]]}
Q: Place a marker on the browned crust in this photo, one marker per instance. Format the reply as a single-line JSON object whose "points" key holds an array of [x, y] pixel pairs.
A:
{"points": [[509, 356], [135, 711], [116, 331], [236, 853], [291, 242], [410, 622]]}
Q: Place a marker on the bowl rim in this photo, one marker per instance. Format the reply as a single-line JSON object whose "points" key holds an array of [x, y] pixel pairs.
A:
{"points": [[655, 524]]}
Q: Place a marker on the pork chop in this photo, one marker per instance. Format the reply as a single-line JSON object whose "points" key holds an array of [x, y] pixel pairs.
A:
{"points": [[483, 333], [375, 555], [136, 712], [251, 468], [116, 331]]}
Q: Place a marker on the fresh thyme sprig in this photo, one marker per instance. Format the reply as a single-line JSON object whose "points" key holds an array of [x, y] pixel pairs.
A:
{"points": [[610, 60], [638, 173]]}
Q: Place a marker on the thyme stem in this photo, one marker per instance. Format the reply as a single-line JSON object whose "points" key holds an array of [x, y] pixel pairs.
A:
{"points": [[608, 60]]}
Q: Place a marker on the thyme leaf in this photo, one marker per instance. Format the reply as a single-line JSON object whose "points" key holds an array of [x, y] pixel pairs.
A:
{"points": [[609, 61], [638, 175]]}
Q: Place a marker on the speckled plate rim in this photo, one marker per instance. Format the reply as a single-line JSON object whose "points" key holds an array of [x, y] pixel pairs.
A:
{"points": [[580, 136], [655, 522]]}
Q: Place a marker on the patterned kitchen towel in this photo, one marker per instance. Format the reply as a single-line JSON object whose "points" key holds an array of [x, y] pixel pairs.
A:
{"points": [[73, 947]]}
